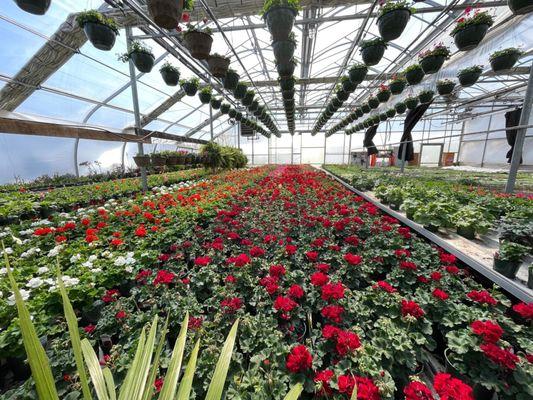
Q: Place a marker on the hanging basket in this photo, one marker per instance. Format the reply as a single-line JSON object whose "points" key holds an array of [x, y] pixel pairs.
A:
{"points": [[365, 108], [286, 84], [373, 102], [397, 87], [425, 97], [372, 54], [414, 76], [240, 91], [348, 86], [142, 161], [400, 108], [383, 96], [445, 88], [231, 80], [166, 13], [411, 103], [468, 78], [225, 108], [144, 62], [520, 7], [287, 94], [391, 112], [469, 37], [508, 269], [101, 36], [382, 117], [392, 24], [432, 64], [254, 106], [357, 74], [218, 66], [216, 103], [280, 20], [283, 50], [170, 77], [189, 88], [158, 160], [505, 62], [286, 69], [37, 7], [359, 112], [248, 98], [342, 95], [204, 97], [198, 43]]}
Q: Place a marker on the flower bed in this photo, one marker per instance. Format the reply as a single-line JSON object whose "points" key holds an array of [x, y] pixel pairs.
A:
{"points": [[329, 291]]}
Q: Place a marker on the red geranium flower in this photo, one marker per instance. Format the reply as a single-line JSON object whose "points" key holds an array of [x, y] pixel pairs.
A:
{"points": [[490, 331], [284, 304], [140, 231], [257, 251], [296, 292], [319, 279], [449, 388], [346, 342], [332, 291], [333, 313], [290, 249], [366, 389], [524, 310], [447, 258], [408, 265], [482, 297], [89, 329], [353, 259], [277, 270], [231, 304], [230, 279], [158, 385], [417, 391], [411, 308], [240, 261], [164, 277], [322, 379], [312, 255], [385, 286], [110, 296], [440, 294], [330, 331], [202, 261], [503, 357], [120, 315], [117, 242], [299, 359]]}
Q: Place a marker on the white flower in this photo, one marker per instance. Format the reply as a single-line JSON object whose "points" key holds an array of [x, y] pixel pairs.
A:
{"points": [[3, 234], [50, 281], [3, 271], [129, 269], [26, 232], [8, 250], [43, 270], [75, 258], [96, 270], [34, 283], [55, 251], [87, 264], [16, 240], [23, 292], [93, 257], [68, 281]]}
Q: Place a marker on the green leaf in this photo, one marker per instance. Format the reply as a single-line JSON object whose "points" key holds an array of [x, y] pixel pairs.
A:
{"points": [[216, 387], [108, 376], [72, 322], [295, 392], [39, 363], [170, 384], [148, 391], [95, 371], [184, 390]]}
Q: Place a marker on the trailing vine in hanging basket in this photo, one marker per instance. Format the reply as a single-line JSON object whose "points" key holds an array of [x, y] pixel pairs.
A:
{"points": [[141, 55], [205, 94]]}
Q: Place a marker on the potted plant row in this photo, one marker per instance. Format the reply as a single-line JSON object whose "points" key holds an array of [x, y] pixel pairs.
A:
{"points": [[100, 30], [141, 55], [393, 18]]}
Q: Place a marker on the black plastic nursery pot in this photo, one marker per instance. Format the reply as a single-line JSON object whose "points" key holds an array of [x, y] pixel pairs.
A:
{"points": [[414, 76], [397, 87], [342, 95], [519, 7], [507, 268], [170, 77], [286, 69], [283, 50], [231, 80], [144, 62], [373, 102], [445, 88], [254, 106], [425, 97], [383, 96], [286, 84], [348, 86], [248, 98], [216, 103], [505, 62], [224, 109], [101, 36], [240, 91], [383, 117], [392, 24], [189, 88], [280, 20], [199, 44], [357, 74], [205, 98], [372, 54], [287, 94], [478, 391], [37, 7], [232, 113], [468, 232], [166, 13], [411, 103], [359, 112], [218, 66], [142, 161], [469, 37], [432, 64], [468, 78], [400, 108]]}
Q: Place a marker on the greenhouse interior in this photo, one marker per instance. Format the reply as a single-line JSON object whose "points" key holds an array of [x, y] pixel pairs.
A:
{"points": [[266, 200]]}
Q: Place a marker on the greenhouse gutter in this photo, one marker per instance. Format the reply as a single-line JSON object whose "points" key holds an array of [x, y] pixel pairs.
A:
{"points": [[517, 291]]}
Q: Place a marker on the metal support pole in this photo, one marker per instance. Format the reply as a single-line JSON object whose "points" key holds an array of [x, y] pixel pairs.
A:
{"points": [[292, 149], [239, 136], [123, 154], [325, 142], [402, 156], [486, 138], [211, 118], [76, 167], [460, 142], [343, 147], [520, 135], [350, 150], [268, 150], [136, 112], [253, 140]]}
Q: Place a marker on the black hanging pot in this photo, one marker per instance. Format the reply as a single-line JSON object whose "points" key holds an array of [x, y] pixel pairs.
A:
{"points": [[383, 96], [216, 103], [372, 54], [240, 91], [470, 36], [231, 80], [519, 7], [357, 74], [205, 98], [342, 95], [468, 78], [171, 77], [286, 69], [37, 7], [392, 24], [373, 102], [218, 66], [400, 107], [445, 88], [425, 97], [432, 64], [286, 84], [238, 116], [382, 117], [166, 13], [359, 112], [101, 36], [287, 94], [504, 62], [397, 87], [283, 50], [365, 108], [198, 43], [414, 76], [225, 108], [252, 107], [411, 103], [144, 62], [232, 113], [391, 112], [328, 114], [189, 88], [248, 98], [280, 20], [336, 102], [142, 161], [348, 86]]}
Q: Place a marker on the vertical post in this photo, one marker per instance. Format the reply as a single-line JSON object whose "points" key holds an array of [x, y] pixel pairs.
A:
{"points": [[211, 117], [487, 137], [460, 141], [123, 154], [136, 112], [402, 156], [350, 150], [343, 147], [76, 167], [292, 149], [253, 140], [239, 136], [520, 134], [268, 150], [325, 142]]}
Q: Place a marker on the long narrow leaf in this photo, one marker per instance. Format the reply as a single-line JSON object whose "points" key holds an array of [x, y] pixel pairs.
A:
{"points": [[354, 393], [216, 387], [127, 386], [110, 383], [72, 322], [149, 389], [295, 392], [184, 390], [95, 370], [39, 363], [170, 383]]}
